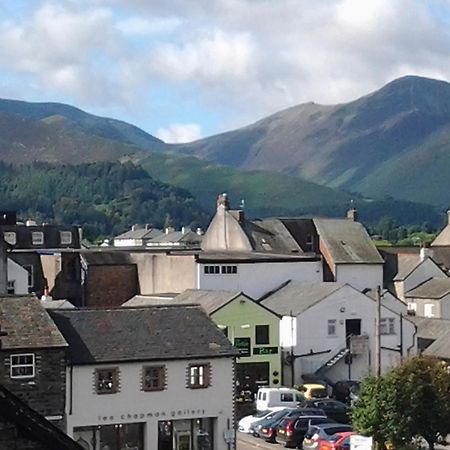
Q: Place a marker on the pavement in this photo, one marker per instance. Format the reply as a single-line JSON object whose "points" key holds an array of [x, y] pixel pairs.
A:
{"points": [[246, 441]]}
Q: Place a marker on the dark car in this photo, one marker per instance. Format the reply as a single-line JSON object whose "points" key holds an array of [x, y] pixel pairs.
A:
{"points": [[346, 390], [335, 410], [255, 427], [291, 432], [266, 429], [317, 433]]}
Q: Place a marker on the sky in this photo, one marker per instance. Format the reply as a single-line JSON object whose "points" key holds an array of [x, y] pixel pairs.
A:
{"points": [[186, 69]]}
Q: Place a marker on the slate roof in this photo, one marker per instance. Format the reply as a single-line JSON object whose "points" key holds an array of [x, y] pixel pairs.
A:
{"points": [[347, 241], [243, 257], [141, 334], [430, 328], [434, 288], [295, 298], [102, 257], [149, 300], [175, 237], [210, 301], [406, 263], [28, 324], [440, 347], [140, 233]]}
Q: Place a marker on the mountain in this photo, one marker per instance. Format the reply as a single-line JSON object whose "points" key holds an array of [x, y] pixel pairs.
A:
{"points": [[394, 142], [57, 132]]}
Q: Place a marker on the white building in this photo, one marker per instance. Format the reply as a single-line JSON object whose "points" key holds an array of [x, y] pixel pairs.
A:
{"points": [[328, 331], [146, 378], [18, 278]]}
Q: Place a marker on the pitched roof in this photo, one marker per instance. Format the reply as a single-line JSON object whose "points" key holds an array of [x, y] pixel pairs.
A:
{"points": [[406, 263], [430, 328], [173, 237], [440, 347], [102, 257], [140, 334], [150, 300], [140, 233], [347, 241], [27, 324], [242, 257], [210, 301], [295, 298], [435, 288]]}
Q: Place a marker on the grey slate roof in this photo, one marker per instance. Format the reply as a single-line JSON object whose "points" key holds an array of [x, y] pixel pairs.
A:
{"points": [[406, 263], [430, 328], [243, 257], [174, 237], [295, 298], [150, 300], [140, 233], [102, 257], [141, 334], [347, 241], [28, 324], [435, 288], [440, 347], [210, 301]]}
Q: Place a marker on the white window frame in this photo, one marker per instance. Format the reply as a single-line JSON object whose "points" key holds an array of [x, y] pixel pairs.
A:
{"points": [[65, 237], [387, 325], [10, 237], [37, 237], [332, 327], [19, 365], [428, 309]]}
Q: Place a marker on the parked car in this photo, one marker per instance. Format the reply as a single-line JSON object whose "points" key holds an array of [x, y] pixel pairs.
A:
{"points": [[314, 390], [291, 431], [266, 428], [245, 423], [276, 415], [335, 410], [272, 397], [346, 390], [317, 433], [339, 441]]}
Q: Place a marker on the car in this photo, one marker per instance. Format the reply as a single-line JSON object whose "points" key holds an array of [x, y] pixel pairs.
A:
{"points": [[314, 390], [346, 390], [245, 423], [291, 431], [266, 428], [335, 410], [284, 397], [317, 433], [338, 441], [276, 415]]}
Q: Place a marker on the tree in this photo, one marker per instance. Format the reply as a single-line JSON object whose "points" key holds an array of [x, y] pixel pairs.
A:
{"points": [[411, 401]]}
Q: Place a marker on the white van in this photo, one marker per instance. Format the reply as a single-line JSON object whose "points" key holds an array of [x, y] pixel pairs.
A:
{"points": [[267, 398]]}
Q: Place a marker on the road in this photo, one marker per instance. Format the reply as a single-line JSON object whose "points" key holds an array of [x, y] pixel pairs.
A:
{"points": [[247, 442]]}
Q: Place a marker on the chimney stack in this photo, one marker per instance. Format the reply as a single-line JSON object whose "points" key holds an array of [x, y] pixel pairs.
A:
{"points": [[425, 252], [448, 217], [222, 200], [352, 214]]}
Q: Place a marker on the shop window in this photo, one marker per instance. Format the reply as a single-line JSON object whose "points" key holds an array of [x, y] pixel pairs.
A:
{"points": [[154, 378], [332, 327], [262, 334], [387, 326], [199, 376], [22, 366], [37, 237], [10, 237], [107, 380], [211, 270], [65, 237]]}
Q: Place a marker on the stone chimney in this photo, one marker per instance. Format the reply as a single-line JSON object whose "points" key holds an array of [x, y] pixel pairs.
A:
{"points": [[222, 200], [425, 252], [352, 214], [238, 214]]}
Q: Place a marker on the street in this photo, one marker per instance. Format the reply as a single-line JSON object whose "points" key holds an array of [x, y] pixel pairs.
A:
{"points": [[248, 442]]}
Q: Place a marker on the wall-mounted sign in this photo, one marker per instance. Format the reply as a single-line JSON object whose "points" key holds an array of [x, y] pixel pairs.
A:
{"points": [[265, 350], [243, 345]]}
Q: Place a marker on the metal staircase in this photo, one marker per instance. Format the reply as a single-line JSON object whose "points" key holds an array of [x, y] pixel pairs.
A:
{"points": [[341, 353]]}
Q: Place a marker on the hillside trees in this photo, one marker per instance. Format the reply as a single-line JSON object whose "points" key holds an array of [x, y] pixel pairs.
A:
{"points": [[411, 401]]}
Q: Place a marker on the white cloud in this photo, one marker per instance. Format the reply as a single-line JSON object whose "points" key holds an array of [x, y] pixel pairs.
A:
{"points": [[180, 133], [141, 26]]}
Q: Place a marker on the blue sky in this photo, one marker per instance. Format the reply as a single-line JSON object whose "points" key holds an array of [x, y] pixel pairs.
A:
{"points": [[186, 69]]}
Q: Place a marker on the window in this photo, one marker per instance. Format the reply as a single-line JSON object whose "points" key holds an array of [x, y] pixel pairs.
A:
{"points": [[11, 289], [229, 269], [107, 380], [154, 378], [10, 237], [212, 269], [309, 244], [65, 237], [198, 376], [387, 326], [286, 397], [262, 334], [332, 327], [22, 366], [428, 310], [30, 271], [37, 237]]}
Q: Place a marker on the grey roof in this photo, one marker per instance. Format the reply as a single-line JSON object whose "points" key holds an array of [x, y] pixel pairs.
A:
{"points": [[430, 328], [27, 324], [440, 347], [347, 241], [150, 300], [141, 334], [140, 233], [56, 304], [210, 301], [295, 298], [102, 257], [435, 288], [242, 257], [406, 263], [188, 237]]}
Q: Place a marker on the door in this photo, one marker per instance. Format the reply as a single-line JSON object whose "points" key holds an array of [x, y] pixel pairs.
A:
{"points": [[352, 328]]}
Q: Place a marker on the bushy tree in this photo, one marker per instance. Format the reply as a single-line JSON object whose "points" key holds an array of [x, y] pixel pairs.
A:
{"points": [[411, 401]]}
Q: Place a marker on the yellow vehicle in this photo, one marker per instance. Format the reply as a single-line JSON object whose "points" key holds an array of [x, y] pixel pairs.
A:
{"points": [[313, 390]]}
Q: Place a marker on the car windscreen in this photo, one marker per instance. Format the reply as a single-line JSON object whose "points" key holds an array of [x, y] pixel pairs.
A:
{"points": [[319, 393], [262, 413]]}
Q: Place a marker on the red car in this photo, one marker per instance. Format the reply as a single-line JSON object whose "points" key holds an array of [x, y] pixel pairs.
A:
{"points": [[339, 441]]}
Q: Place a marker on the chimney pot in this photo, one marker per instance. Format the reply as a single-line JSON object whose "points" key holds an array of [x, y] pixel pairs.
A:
{"points": [[223, 200]]}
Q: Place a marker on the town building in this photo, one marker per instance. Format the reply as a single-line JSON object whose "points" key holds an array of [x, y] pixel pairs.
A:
{"points": [[151, 377]]}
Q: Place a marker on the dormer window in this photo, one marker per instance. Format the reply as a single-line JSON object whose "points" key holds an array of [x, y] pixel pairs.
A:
{"points": [[10, 237], [65, 237], [37, 237]]}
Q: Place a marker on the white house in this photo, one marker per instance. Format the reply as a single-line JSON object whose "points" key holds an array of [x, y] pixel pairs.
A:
{"points": [[18, 278], [146, 378], [328, 331], [431, 298]]}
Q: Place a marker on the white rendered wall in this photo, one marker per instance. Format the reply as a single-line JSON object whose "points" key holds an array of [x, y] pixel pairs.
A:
{"points": [[256, 279], [132, 405], [18, 274], [360, 276]]}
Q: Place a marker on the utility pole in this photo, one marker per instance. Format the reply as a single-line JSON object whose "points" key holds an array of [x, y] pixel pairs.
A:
{"points": [[377, 334]]}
